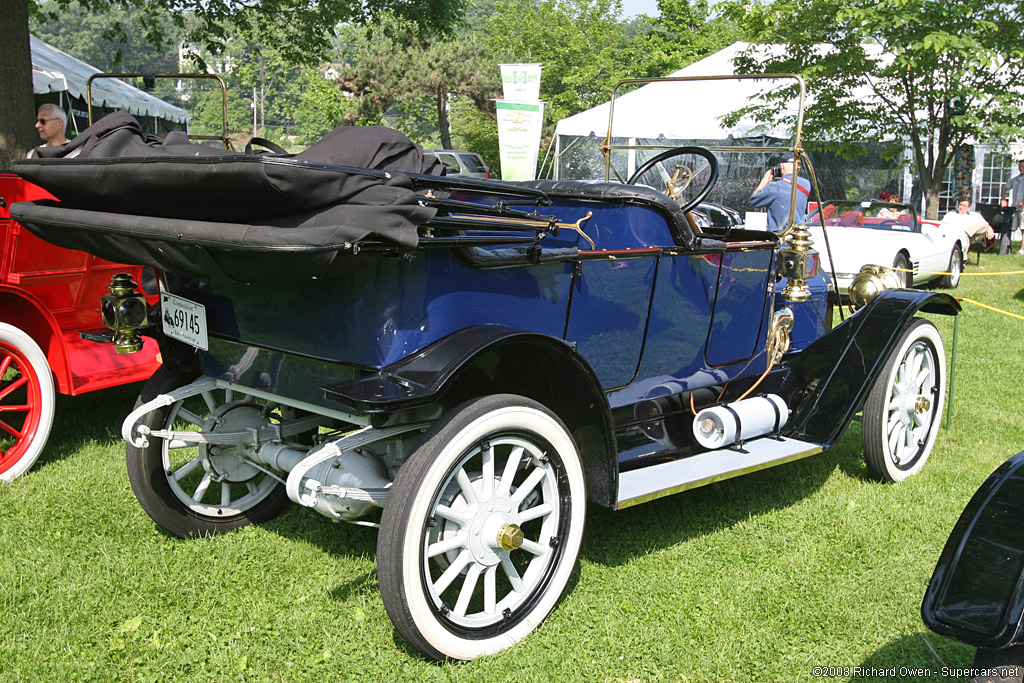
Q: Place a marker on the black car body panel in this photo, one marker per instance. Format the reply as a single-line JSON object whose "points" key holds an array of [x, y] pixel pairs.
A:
{"points": [[976, 594], [830, 379]]}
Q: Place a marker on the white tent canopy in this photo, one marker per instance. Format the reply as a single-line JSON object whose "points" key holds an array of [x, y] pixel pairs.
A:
{"points": [[57, 71], [655, 109]]}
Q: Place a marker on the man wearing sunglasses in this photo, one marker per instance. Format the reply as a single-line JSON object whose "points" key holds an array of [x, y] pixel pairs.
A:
{"points": [[50, 122]]}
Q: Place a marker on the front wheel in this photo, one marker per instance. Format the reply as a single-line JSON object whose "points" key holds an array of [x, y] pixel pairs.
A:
{"points": [[482, 528], [902, 413], [956, 266], [27, 399], [200, 490]]}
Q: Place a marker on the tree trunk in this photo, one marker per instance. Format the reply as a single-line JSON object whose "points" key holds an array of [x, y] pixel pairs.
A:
{"points": [[17, 104], [931, 201], [442, 120], [931, 185]]}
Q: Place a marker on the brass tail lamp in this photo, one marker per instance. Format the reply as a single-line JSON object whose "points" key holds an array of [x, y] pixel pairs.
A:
{"points": [[798, 261], [125, 311]]}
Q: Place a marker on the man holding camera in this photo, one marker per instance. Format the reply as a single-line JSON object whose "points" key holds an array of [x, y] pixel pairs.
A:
{"points": [[775, 192]]}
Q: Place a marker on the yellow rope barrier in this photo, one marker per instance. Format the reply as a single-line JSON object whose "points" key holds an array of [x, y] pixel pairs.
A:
{"points": [[962, 274], [991, 308], [972, 301]]}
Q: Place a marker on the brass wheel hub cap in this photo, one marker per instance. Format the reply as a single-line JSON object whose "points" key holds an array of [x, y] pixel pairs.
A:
{"points": [[510, 537]]}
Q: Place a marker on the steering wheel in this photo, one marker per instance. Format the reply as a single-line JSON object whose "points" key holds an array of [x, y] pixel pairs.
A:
{"points": [[682, 176]]}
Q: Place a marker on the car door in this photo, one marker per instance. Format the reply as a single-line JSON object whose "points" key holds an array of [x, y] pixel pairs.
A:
{"points": [[937, 242]]}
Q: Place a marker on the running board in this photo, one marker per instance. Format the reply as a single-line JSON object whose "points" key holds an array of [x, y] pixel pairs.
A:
{"points": [[658, 481]]}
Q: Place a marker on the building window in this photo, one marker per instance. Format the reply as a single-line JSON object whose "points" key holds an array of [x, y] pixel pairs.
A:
{"points": [[995, 173], [950, 192]]}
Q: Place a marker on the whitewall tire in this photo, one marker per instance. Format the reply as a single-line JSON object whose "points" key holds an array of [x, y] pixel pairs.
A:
{"points": [[482, 528], [904, 409], [27, 398]]}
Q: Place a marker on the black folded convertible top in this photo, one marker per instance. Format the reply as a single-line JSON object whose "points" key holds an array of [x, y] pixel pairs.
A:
{"points": [[200, 211]]}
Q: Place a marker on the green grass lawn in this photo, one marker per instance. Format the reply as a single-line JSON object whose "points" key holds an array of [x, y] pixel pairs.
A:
{"points": [[758, 578]]}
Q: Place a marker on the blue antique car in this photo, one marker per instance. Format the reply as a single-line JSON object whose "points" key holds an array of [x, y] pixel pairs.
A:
{"points": [[469, 364]]}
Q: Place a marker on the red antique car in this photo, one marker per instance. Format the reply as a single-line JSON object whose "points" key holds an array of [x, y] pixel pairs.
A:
{"points": [[48, 297]]}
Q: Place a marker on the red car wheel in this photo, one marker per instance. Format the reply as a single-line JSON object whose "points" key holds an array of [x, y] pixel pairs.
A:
{"points": [[26, 402]]}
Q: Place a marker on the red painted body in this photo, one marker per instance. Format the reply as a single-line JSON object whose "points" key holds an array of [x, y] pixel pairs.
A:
{"points": [[53, 294]]}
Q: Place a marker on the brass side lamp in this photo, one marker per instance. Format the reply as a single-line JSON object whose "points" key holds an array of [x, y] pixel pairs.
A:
{"points": [[124, 311]]}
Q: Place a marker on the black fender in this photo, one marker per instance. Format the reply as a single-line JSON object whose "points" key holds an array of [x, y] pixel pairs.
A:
{"points": [[827, 383], [489, 359], [976, 594]]}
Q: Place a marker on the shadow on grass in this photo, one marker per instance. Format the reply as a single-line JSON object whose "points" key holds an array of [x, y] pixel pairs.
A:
{"points": [[612, 538], [615, 537], [88, 418], [910, 659], [337, 539]]}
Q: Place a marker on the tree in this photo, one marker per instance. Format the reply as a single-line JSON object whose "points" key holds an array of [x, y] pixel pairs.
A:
{"points": [[206, 112], [938, 74], [17, 104], [110, 40], [582, 45], [322, 106], [684, 32], [304, 28], [453, 68], [394, 65]]}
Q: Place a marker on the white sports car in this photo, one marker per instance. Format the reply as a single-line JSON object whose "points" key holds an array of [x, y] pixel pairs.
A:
{"points": [[886, 234]]}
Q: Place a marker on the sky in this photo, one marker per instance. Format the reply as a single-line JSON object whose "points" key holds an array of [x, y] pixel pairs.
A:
{"points": [[631, 8]]}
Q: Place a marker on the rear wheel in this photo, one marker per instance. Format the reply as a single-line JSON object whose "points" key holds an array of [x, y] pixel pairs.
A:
{"points": [[482, 528], [956, 267], [26, 402], [199, 490], [903, 410]]}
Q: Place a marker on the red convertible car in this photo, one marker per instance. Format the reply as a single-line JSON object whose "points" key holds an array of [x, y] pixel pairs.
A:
{"points": [[48, 297]]}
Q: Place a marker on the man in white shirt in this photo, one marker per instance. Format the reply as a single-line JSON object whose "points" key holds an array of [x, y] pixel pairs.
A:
{"points": [[971, 222], [1015, 186], [50, 122]]}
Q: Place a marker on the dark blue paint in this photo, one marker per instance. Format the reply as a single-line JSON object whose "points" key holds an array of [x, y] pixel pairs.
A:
{"points": [[739, 306], [810, 318], [611, 299], [652, 320], [377, 316]]}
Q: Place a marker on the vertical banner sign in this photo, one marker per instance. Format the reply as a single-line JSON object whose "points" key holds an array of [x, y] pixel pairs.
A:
{"points": [[520, 82], [519, 128], [520, 121]]}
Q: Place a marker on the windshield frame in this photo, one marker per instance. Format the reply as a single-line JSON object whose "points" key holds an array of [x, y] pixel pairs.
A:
{"points": [[607, 147]]}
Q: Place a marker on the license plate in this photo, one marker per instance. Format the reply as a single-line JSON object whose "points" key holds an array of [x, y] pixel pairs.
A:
{"points": [[184, 320]]}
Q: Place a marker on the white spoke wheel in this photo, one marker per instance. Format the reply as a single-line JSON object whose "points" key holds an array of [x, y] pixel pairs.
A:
{"points": [[903, 411], [199, 490], [26, 402], [482, 528]]}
